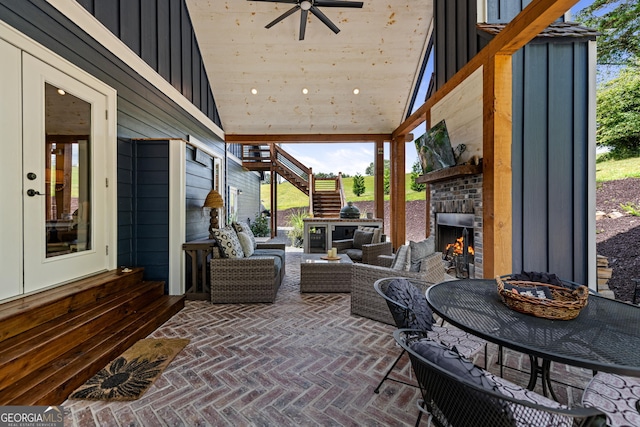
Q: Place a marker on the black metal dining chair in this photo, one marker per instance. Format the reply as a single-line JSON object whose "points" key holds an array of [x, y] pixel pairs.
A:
{"points": [[456, 393], [408, 305]]}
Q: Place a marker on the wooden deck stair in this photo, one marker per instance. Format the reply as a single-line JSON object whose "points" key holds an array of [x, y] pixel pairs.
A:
{"points": [[326, 204], [53, 341]]}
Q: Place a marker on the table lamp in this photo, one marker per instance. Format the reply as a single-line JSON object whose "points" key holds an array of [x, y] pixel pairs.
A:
{"points": [[213, 201]]}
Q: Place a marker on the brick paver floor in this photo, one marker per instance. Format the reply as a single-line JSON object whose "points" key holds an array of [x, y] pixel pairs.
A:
{"points": [[302, 361]]}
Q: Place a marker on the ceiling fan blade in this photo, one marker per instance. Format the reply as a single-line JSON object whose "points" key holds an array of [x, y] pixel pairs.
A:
{"points": [[303, 23], [281, 17], [278, 1], [338, 3], [321, 16]]}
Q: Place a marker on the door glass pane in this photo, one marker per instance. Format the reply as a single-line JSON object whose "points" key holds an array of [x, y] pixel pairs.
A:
{"points": [[67, 173]]}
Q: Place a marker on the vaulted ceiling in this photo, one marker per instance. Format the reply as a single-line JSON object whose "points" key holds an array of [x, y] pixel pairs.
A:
{"points": [[379, 51]]}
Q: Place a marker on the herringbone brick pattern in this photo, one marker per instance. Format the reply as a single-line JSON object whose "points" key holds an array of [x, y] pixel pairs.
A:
{"points": [[302, 361]]}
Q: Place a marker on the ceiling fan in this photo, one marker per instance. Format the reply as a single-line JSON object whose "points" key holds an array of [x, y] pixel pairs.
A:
{"points": [[311, 5]]}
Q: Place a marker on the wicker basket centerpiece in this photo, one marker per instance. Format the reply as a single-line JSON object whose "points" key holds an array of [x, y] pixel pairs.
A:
{"points": [[548, 301]]}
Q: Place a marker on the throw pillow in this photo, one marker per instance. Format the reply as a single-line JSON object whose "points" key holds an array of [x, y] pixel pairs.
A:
{"points": [[228, 242], [417, 314], [420, 250], [246, 243], [377, 233], [402, 261], [461, 405], [243, 227], [361, 238]]}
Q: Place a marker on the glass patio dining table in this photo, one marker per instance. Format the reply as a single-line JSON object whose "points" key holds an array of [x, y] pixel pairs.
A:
{"points": [[604, 337]]}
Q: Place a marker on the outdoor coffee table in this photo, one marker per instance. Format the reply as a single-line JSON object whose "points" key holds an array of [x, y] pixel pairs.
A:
{"points": [[320, 275]]}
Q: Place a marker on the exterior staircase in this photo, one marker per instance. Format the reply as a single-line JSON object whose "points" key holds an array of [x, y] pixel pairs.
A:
{"points": [[326, 195], [53, 341]]}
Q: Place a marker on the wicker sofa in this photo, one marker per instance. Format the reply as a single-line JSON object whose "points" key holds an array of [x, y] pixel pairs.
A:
{"points": [[366, 302], [248, 280]]}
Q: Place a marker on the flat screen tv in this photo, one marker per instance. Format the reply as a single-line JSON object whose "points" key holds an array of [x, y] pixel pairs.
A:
{"points": [[434, 148]]}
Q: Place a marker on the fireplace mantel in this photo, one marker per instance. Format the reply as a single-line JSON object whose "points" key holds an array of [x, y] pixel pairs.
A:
{"points": [[449, 173]]}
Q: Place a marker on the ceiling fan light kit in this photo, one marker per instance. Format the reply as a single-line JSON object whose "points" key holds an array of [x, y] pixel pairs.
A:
{"points": [[306, 6]]}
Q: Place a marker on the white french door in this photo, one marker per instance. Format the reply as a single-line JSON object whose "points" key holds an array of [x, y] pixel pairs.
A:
{"points": [[64, 176]]}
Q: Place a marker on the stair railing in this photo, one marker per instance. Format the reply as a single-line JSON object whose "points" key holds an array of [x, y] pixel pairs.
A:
{"points": [[341, 189], [256, 154], [289, 167]]}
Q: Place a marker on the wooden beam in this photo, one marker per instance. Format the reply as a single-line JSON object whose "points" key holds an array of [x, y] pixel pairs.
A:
{"points": [[378, 181], [497, 178], [398, 217], [525, 26], [306, 138]]}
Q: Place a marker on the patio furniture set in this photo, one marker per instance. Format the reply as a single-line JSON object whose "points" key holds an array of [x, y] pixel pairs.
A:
{"points": [[400, 291], [455, 392]]}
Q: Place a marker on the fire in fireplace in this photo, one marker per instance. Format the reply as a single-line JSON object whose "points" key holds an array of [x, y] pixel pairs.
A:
{"points": [[454, 238], [460, 256]]}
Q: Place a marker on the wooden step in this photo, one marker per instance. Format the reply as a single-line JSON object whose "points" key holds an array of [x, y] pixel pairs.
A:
{"points": [[52, 303], [37, 347], [52, 384], [63, 336]]}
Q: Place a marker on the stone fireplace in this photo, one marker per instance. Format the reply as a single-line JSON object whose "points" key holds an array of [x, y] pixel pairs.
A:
{"points": [[455, 204]]}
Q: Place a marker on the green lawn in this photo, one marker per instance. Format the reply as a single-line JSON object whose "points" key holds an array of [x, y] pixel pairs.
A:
{"points": [[618, 169], [291, 197]]}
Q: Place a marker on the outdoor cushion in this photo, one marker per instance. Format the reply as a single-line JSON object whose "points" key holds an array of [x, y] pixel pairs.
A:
{"points": [[361, 238], [466, 406], [354, 254], [421, 250], [270, 252], [377, 233], [402, 261], [420, 315], [243, 227], [246, 243], [228, 242]]}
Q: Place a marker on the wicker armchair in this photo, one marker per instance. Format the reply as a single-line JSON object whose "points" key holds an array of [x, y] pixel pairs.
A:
{"points": [[369, 253], [456, 393], [366, 302], [248, 280]]}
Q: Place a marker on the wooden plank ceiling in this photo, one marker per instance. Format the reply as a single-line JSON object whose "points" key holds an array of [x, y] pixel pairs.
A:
{"points": [[379, 51]]}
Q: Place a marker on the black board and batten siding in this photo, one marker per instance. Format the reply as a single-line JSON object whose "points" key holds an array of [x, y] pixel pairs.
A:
{"points": [[503, 11], [160, 32], [143, 111], [550, 141], [455, 37], [550, 159]]}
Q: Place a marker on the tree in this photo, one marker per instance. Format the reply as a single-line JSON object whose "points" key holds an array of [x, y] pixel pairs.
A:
{"points": [[618, 22], [358, 185], [324, 175], [618, 114], [371, 168], [416, 171], [387, 179]]}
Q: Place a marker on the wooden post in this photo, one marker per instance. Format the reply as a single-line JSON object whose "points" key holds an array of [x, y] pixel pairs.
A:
{"points": [[427, 188], [497, 172], [397, 189], [274, 192], [378, 181]]}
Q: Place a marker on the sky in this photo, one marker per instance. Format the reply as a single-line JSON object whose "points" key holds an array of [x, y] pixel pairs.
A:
{"points": [[352, 158]]}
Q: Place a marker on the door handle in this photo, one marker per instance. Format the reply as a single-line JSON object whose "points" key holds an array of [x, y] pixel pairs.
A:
{"points": [[31, 192]]}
